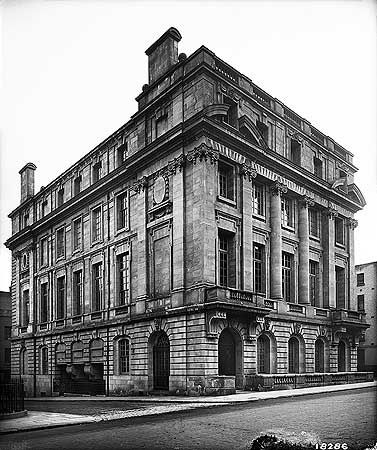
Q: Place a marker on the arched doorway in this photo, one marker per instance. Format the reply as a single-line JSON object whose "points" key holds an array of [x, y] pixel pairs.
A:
{"points": [[161, 362], [263, 354], [227, 353], [293, 355], [341, 356], [319, 355]]}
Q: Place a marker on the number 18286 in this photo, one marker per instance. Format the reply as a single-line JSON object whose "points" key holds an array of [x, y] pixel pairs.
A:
{"points": [[331, 446]]}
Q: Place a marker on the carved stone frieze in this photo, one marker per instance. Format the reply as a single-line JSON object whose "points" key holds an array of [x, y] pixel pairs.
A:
{"points": [[203, 152]]}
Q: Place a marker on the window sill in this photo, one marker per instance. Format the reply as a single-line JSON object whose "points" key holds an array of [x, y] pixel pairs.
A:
{"points": [[288, 228], [121, 309], [261, 218], [122, 230], [227, 200], [340, 245], [76, 319], [314, 238]]}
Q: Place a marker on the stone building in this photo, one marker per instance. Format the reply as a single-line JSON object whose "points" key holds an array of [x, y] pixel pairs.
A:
{"points": [[366, 291], [5, 334], [206, 245]]}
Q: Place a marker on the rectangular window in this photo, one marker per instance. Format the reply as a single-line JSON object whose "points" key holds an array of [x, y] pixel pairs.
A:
{"points": [[44, 303], [96, 224], [60, 242], [25, 308], [43, 208], [287, 277], [77, 185], [287, 212], [360, 279], [259, 268], [122, 153], [339, 231], [124, 356], [123, 279], [295, 152], [97, 172], [122, 211], [226, 181], [314, 222], [43, 251], [60, 297], [227, 260], [60, 199], [232, 115], [97, 287], [259, 200], [313, 282], [340, 293], [77, 293], [77, 234], [360, 303], [44, 361], [317, 163]]}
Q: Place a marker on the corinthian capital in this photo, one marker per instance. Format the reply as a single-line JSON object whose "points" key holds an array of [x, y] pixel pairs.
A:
{"points": [[278, 188], [248, 172], [203, 152], [352, 223], [306, 201]]}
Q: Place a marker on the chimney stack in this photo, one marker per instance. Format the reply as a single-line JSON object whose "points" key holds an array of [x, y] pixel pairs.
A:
{"points": [[27, 181], [163, 54]]}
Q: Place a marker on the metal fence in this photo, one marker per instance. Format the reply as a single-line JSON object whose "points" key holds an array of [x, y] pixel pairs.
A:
{"points": [[11, 397]]}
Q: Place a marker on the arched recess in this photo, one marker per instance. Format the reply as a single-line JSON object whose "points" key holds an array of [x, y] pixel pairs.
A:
{"points": [[266, 353], [96, 350], [296, 354], [319, 356], [24, 367], [230, 355], [343, 356], [159, 360]]}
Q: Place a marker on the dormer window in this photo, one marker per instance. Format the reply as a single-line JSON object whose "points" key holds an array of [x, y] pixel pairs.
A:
{"points": [[294, 153], [97, 170], [263, 129], [232, 115]]}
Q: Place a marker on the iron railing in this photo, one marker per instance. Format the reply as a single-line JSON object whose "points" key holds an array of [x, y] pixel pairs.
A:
{"points": [[12, 397]]}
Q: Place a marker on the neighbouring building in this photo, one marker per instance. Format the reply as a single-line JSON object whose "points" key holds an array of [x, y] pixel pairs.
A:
{"points": [[206, 245], [366, 287], [5, 334]]}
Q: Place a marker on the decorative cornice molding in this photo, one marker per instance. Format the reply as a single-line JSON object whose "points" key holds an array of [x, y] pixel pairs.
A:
{"points": [[201, 152], [171, 168], [278, 188]]}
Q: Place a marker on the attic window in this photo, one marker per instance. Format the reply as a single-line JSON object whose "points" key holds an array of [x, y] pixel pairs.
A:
{"points": [[317, 163], [232, 116], [295, 152]]}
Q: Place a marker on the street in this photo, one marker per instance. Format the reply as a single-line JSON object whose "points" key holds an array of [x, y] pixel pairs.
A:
{"points": [[345, 417]]}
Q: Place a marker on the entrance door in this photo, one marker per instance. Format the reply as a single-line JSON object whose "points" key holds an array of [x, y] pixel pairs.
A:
{"points": [[341, 357], [227, 353], [161, 363]]}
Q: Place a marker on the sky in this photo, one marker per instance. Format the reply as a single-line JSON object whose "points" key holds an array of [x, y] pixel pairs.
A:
{"points": [[71, 69]]}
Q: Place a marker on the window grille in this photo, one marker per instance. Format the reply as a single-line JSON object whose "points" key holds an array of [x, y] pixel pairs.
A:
{"points": [[124, 356]]}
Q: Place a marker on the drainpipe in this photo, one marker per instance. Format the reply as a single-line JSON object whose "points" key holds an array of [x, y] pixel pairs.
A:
{"points": [[108, 297], [34, 318]]}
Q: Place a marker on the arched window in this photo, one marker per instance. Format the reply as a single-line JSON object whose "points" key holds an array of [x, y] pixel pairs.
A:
{"points": [[124, 356], [293, 355], [342, 357], [77, 351], [263, 354], [60, 353], [227, 353], [43, 361], [23, 361], [319, 356]]}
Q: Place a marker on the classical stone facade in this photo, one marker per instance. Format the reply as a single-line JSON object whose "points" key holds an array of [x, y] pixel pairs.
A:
{"points": [[366, 294], [206, 245], [5, 334]]}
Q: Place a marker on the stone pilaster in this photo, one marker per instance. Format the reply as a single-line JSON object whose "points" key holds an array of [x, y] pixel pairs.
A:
{"points": [[352, 302], [141, 222], [329, 299], [178, 235], [247, 174], [303, 250], [275, 242]]}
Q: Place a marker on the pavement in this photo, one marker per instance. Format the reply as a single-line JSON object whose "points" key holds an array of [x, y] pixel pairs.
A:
{"points": [[37, 420]]}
